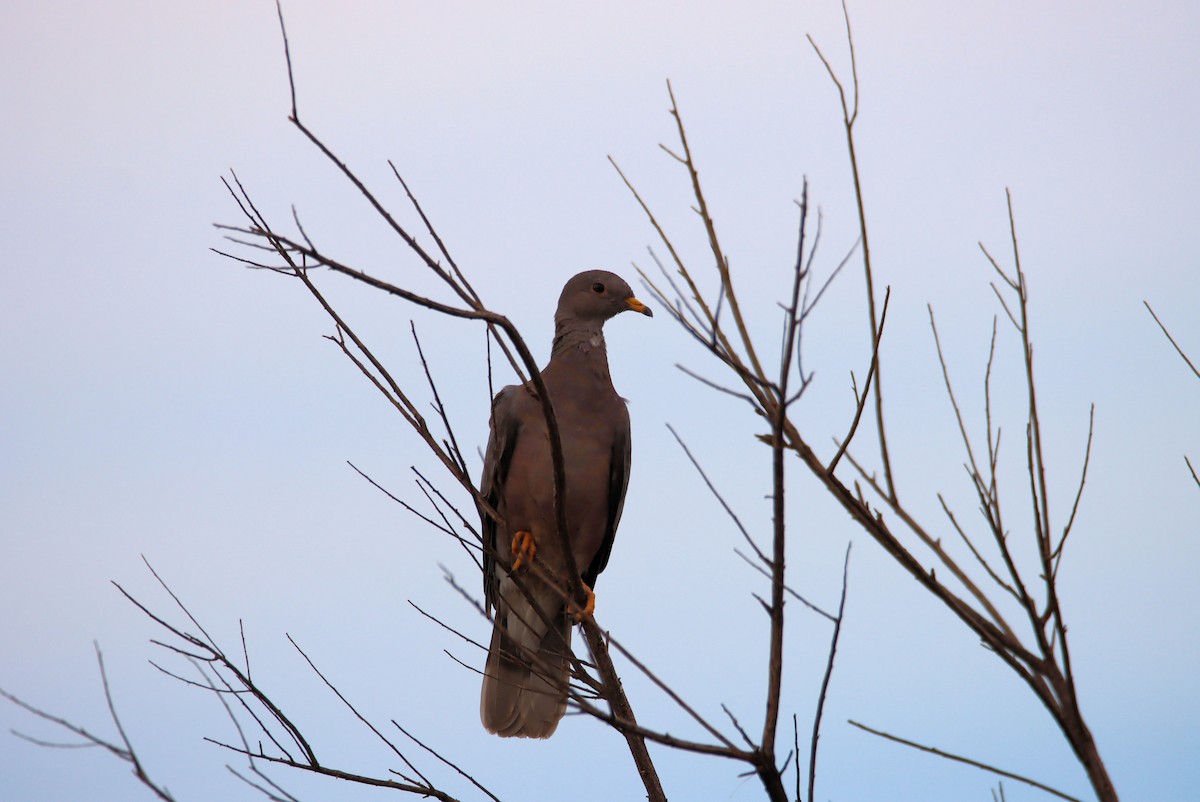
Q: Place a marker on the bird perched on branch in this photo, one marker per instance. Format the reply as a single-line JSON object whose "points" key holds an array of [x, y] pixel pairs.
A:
{"points": [[525, 581]]}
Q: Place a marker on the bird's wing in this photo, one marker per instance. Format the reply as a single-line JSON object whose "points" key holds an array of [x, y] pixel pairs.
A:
{"points": [[502, 439], [618, 482]]}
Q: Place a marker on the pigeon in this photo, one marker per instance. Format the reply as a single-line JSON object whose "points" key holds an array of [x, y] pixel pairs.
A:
{"points": [[525, 680]]}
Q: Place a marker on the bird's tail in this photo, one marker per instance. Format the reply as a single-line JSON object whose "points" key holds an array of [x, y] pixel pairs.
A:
{"points": [[525, 689]]}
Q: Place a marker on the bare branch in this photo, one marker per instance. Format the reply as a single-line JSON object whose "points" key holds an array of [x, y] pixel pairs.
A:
{"points": [[357, 714], [787, 588], [718, 387], [454, 450], [1172, 340], [217, 656], [126, 752], [962, 428], [958, 758], [833, 643], [719, 257], [862, 401], [717, 495], [446, 626], [738, 726], [448, 762], [849, 116], [359, 779], [1087, 457], [970, 545]]}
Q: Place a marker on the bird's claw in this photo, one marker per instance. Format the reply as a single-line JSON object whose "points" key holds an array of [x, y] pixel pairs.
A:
{"points": [[589, 607], [523, 548]]}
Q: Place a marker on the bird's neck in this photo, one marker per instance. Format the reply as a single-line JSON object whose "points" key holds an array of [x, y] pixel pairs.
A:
{"points": [[581, 344]]}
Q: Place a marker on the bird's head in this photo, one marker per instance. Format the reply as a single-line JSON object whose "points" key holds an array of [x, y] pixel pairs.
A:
{"points": [[597, 295]]}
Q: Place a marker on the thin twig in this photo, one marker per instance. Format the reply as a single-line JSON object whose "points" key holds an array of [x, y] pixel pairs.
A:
{"points": [[1087, 457], [862, 401], [454, 450], [831, 618], [849, 116], [1172, 339], [359, 779], [833, 644], [717, 495], [449, 763], [357, 714], [958, 758], [126, 752]]}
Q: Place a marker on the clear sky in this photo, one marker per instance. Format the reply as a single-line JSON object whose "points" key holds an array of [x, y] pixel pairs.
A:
{"points": [[158, 400]]}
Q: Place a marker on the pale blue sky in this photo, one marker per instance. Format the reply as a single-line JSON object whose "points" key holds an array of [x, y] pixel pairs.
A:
{"points": [[160, 401]]}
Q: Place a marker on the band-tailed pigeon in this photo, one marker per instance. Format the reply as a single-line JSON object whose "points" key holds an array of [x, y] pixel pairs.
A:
{"points": [[525, 680]]}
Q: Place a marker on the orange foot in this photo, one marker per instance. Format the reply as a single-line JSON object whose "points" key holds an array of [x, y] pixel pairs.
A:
{"points": [[523, 548], [590, 606]]}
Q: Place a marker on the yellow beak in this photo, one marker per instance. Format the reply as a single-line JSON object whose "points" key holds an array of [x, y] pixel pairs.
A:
{"points": [[638, 306]]}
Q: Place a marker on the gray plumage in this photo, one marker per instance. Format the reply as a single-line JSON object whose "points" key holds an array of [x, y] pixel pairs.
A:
{"points": [[525, 679]]}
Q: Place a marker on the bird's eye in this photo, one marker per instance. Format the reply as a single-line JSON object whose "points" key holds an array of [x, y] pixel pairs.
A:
{"points": [[598, 288]]}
